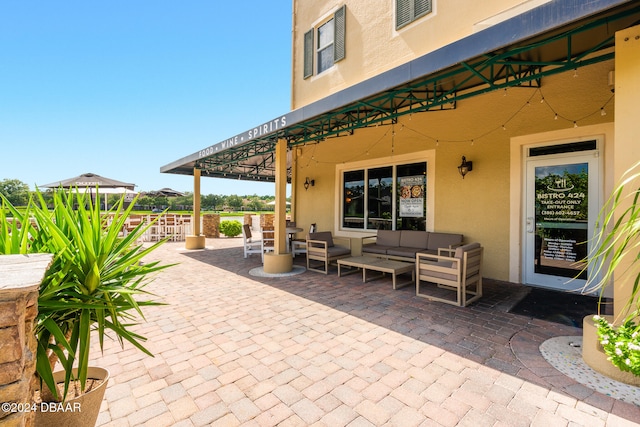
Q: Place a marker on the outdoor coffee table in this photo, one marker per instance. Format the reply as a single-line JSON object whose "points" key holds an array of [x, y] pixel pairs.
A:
{"points": [[380, 265]]}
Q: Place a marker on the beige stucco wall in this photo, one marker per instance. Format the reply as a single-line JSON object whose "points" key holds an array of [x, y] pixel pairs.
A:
{"points": [[372, 43], [481, 205], [627, 130]]}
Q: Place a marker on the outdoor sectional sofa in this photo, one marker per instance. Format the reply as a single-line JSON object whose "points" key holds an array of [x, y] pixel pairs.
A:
{"points": [[402, 245]]}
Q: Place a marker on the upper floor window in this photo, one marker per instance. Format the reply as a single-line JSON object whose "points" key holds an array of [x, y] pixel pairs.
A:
{"points": [[329, 47], [408, 11], [325, 46]]}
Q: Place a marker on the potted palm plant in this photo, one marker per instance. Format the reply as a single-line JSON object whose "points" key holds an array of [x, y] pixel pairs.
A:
{"points": [[616, 246], [94, 285]]}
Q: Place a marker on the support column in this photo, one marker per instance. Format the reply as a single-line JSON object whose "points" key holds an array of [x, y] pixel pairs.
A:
{"points": [[196, 240], [625, 153], [280, 261], [294, 182]]}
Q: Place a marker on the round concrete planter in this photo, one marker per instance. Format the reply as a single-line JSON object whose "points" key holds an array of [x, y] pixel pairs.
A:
{"points": [[79, 412]]}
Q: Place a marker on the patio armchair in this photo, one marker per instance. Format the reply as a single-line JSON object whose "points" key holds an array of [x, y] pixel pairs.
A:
{"points": [[268, 240], [251, 245], [299, 246], [321, 247], [453, 279]]}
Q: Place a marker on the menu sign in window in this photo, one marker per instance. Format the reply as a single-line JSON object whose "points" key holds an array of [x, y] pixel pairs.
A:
{"points": [[561, 218], [412, 196]]}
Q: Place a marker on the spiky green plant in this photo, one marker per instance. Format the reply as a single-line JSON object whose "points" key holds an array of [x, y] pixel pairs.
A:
{"points": [[95, 283]]}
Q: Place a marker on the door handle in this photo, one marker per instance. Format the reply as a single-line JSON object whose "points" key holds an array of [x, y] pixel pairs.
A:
{"points": [[530, 225]]}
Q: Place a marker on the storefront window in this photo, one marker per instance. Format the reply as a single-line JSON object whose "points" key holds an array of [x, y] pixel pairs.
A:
{"points": [[372, 206], [353, 199], [380, 198], [411, 197]]}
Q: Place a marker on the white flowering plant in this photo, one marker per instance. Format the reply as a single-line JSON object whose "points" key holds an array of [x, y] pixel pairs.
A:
{"points": [[621, 344]]}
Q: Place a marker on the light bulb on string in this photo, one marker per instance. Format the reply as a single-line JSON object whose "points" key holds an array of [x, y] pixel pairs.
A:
{"points": [[555, 117], [575, 124], [602, 112]]}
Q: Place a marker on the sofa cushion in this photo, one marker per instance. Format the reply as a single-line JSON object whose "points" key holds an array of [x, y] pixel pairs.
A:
{"points": [[403, 252], [335, 251], [413, 239], [426, 273], [443, 240], [388, 238], [460, 250], [324, 236], [376, 249]]}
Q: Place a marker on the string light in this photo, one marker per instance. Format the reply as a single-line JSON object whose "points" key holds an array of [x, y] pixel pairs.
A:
{"points": [[503, 126], [575, 72]]}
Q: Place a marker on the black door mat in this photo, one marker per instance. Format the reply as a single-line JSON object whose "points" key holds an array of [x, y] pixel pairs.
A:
{"points": [[557, 306]]}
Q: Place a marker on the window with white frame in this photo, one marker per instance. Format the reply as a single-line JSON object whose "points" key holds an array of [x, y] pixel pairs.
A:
{"points": [[390, 197], [408, 11], [329, 45], [325, 46]]}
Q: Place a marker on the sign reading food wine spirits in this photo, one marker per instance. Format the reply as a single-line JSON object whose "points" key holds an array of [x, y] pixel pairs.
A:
{"points": [[412, 196]]}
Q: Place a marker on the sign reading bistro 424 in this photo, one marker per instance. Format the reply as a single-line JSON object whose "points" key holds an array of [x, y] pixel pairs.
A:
{"points": [[561, 218]]}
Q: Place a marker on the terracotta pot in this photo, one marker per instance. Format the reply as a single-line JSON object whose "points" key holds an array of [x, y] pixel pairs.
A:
{"points": [[81, 411]]}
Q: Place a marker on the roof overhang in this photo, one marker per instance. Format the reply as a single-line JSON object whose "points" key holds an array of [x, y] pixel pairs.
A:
{"points": [[556, 37]]}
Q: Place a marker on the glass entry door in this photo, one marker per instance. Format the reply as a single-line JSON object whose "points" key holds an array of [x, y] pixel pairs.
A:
{"points": [[562, 204]]}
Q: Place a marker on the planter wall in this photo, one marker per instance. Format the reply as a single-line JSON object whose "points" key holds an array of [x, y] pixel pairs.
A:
{"points": [[20, 277]]}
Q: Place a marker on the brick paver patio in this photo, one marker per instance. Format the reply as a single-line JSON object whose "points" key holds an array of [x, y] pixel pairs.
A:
{"points": [[232, 349]]}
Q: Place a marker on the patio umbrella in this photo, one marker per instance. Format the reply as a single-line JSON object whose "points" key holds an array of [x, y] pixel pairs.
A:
{"points": [[89, 181]]}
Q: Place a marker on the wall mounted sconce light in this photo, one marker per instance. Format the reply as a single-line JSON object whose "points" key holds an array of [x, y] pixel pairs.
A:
{"points": [[611, 80], [465, 167], [309, 182]]}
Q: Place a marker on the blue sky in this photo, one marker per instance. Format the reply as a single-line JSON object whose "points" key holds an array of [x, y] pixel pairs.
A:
{"points": [[120, 88]]}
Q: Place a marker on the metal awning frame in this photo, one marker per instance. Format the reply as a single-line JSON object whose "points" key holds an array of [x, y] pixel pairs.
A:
{"points": [[500, 69]]}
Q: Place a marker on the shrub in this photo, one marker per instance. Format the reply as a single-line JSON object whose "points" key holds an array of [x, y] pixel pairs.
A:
{"points": [[231, 228], [621, 343]]}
